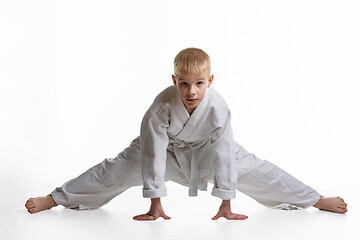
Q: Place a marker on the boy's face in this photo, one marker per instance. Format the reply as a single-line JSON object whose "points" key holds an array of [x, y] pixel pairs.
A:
{"points": [[192, 88]]}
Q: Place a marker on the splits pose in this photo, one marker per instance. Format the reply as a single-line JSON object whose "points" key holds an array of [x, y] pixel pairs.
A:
{"points": [[186, 137]]}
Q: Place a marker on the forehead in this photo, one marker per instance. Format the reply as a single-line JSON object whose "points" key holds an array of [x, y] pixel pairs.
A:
{"points": [[186, 67], [193, 76], [195, 72]]}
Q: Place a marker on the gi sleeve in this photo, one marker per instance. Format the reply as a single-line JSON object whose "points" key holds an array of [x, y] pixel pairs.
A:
{"points": [[153, 145], [225, 169]]}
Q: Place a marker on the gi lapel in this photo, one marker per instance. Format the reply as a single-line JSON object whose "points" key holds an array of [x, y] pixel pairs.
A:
{"points": [[193, 120]]}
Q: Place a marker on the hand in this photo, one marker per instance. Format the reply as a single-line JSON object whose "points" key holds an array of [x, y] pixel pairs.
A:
{"points": [[154, 213], [225, 211], [151, 216]]}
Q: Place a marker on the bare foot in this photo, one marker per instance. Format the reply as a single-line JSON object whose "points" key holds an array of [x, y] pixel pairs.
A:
{"points": [[334, 204], [38, 204]]}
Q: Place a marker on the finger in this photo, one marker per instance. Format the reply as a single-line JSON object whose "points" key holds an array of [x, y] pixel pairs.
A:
{"points": [[216, 217], [144, 217], [237, 217], [166, 217]]}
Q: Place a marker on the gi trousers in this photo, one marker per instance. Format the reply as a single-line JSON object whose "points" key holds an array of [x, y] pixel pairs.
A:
{"points": [[259, 179]]}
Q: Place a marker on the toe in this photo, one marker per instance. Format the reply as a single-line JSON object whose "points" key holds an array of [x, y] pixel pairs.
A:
{"points": [[32, 210], [30, 205], [343, 205], [342, 210], [30, 202]]}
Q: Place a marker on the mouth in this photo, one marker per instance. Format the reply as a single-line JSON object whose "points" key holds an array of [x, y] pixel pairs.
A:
{"points": [[191, 99]]}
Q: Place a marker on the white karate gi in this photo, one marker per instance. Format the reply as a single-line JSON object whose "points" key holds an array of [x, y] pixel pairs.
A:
{"points": [[190, 150]]}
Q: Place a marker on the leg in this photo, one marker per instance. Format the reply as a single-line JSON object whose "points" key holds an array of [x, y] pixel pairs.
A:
{"points": [[270, 185], [97, 186]]}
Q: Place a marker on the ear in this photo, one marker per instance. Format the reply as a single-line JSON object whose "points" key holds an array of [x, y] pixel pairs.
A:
{"points": [[211, 79], [174, 80]]}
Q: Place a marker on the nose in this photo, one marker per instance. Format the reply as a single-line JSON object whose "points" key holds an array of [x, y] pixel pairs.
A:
{"points": [[191, 90]]}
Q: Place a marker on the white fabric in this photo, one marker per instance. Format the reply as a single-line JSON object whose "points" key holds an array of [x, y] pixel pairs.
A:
{"points": [[286, 206], [190, 150], [199, 141]]}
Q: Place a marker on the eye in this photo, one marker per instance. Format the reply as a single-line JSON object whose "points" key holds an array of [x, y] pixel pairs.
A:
{"points": [[199, 83], [183, 83]]}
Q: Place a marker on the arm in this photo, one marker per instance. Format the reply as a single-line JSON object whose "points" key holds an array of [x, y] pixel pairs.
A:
{"points": [[225, 170], [153, 145]]}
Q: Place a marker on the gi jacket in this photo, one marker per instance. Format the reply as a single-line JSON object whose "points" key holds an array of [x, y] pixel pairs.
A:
{"points": [[202, 143]]}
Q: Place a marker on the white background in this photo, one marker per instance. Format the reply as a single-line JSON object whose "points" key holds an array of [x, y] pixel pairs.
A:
{"points": [[77, 76]]}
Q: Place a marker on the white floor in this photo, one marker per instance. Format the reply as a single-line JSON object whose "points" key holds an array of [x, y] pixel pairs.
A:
{"points": [[191, 218]]}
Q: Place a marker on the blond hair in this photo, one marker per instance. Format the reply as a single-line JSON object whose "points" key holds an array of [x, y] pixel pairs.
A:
{"points": [[191, 60]]}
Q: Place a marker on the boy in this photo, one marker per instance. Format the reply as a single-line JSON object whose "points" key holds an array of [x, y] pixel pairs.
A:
{"points": [[186, 137]]}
